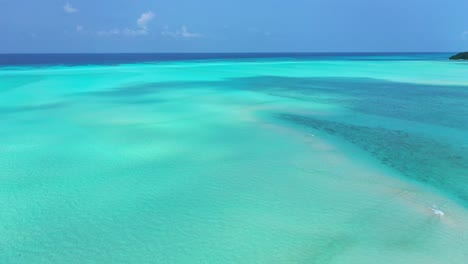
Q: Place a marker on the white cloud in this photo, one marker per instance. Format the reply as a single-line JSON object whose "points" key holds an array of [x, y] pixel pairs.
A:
{"points": [[134, 32], [68, 8], [145, 19], [79, 28], [187, 34], [142, 29], [110, 32], [122, 32], [183, 32]]}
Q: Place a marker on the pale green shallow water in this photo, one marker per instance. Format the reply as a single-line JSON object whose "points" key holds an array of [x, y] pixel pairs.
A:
{"points": [[273, 161]]}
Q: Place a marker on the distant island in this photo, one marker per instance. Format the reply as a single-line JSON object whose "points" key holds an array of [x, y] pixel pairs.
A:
{"points": [[460, 56]]}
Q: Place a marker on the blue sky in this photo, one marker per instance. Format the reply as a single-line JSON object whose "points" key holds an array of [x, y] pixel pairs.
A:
{"points": [[232, 25]]}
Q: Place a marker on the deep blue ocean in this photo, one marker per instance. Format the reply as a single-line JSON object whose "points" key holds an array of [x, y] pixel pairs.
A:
{"points": [[124, 58]]}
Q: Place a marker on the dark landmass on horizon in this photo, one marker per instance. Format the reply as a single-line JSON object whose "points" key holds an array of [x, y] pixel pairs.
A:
{"points": [[460, 56]]}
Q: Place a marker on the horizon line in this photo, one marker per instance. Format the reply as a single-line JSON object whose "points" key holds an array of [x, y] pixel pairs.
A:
{"points": [[232, 52]]}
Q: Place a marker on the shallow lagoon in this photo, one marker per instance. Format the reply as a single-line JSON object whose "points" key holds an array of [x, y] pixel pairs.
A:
{"points": [[328, 160]]}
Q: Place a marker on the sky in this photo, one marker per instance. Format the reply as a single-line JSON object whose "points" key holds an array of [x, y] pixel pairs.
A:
{"points": [[56, 26]]}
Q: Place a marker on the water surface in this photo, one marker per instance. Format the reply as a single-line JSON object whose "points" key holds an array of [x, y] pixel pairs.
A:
{"points": [[286, 158]]}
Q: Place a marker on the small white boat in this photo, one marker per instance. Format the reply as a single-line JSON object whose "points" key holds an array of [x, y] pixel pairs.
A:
{"points": [[437, 211]]}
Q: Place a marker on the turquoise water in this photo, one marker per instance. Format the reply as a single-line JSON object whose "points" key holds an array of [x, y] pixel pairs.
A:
{"points": [[312, 160]]}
